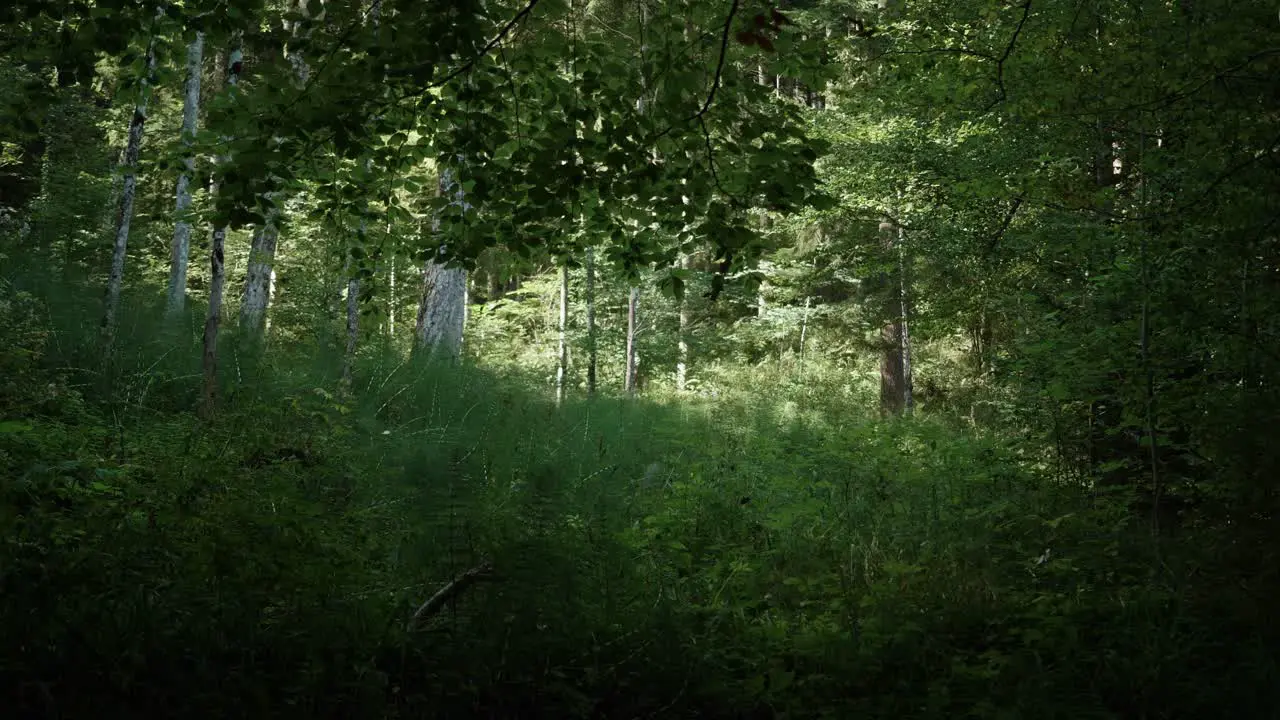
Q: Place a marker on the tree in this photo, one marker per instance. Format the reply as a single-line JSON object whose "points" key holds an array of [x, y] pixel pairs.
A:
{"points": [[590, 301], [217, 269], [181, 248], [632, 361], [562, 352], [128, 166], [442, 309], [260, 273]]}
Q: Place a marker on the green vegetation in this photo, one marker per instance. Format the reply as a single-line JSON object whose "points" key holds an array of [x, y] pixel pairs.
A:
{"points": [[688, 359]]}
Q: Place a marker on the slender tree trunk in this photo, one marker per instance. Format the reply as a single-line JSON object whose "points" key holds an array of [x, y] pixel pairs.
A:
{"points": [[217, 286], [591, 321], [804, 330], [353, 279], [908, 385], [129, 166], [217, 281], [562, 366], [353, 325], [297, 61], [353, 309], [181, 248], [633, 304], [442, 309], [682, 342], [391, 298], [892, 367], [262, 250]]}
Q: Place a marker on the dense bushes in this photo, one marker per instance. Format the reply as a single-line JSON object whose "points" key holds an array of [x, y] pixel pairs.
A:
{"points": [[647, 560]]}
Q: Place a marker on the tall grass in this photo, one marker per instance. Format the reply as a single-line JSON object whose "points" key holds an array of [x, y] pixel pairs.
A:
{"points": [[748, 555]]}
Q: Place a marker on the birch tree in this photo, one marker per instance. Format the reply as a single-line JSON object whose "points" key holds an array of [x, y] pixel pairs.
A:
{"points": [[129, 169], [633, 307], [590, 288], [181, 247], [682, 340], [260, 273], [562, 359]]}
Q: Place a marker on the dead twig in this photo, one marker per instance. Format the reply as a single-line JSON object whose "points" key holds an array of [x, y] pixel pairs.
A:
{"points": [[433, 604]]}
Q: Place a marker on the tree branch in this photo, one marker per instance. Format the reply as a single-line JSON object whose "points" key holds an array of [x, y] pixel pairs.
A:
{"points": [[1004, 226], [433, 604], [471, 63], [715, 80], [1008, 50], [724, 50]]}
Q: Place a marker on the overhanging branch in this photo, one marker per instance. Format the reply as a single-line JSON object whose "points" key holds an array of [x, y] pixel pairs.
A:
{"points": [[470, 63]]}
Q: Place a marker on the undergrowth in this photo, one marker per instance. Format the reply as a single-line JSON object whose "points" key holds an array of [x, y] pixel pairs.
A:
{"points": [[722, 558]]}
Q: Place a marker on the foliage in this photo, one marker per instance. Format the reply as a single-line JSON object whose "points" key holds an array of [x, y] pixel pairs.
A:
{"points": [[649, 559], [1060, 217]]}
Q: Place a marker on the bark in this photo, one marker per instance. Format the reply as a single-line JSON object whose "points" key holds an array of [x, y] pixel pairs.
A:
{"points": [[353, 327], [353, 308], [442, 308], [391, 299], [262, 251], [591, 321], [893, 382], [804, 330], [217, 284], [908, 385], [129, 167], [682, 343], [633, 305], [301, 71], [257, 284], [181, 248], [562, 366]]}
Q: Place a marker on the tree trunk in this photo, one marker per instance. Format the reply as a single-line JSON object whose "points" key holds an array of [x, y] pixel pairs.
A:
{"points": [[301, 71], [181, 248], [353, 326], [633, 304], [908, 385], [353, 304], [217, 281], [391, 298], [257, 283], [442, 309], [262, 250], [893, 381], [217, 285], [591, 321], [682, 342], [562, 366], [804, 330], [129, 166], [353, 279]]}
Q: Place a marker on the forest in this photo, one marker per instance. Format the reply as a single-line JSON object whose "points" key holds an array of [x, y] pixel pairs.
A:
{"points": [[622, 359]]}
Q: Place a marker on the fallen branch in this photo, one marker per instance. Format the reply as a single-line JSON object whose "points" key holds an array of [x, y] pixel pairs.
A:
{"points": [[433, 604]]}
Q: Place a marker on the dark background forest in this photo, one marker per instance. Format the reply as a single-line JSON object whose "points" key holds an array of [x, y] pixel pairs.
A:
{"points": [[639, 358]]}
